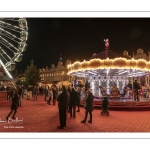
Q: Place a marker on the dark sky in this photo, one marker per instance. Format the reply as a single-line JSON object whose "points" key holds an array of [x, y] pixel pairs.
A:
{"points": [[79, 38]]}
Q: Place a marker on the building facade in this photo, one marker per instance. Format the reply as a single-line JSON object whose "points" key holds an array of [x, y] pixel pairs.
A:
{"points": [[55, 73]]}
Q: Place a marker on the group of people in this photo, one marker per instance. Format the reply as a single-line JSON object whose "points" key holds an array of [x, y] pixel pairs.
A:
{"points": [[51, 94], [15, 94], [70, 98], [68, 101]]}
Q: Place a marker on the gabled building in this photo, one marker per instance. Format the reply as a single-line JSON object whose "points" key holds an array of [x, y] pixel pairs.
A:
{"points": [[55, 73]]}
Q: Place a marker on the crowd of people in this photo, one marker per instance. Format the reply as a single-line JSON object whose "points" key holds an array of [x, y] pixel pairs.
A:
{"points": [[68, 99]]}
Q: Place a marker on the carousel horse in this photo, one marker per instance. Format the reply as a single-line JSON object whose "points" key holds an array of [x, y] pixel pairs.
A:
{"points": [[114, 93], [103, 92]]}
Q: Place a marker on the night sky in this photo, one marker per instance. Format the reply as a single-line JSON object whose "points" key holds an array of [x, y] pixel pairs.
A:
{"points": [[79, 38]]}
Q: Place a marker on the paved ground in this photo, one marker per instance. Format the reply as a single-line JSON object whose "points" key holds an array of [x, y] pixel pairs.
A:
{"points": [[39, 117]]}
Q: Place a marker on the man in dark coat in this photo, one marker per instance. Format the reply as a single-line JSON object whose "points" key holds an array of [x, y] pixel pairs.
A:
{"points": [[129, 85], [136, 87], [14, 105], [63, 100], [88, 106], [73, 102]]}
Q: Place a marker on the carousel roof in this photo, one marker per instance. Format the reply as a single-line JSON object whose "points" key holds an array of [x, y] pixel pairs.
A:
{"points": [[109, 62], [107, 54], [112, 63]]}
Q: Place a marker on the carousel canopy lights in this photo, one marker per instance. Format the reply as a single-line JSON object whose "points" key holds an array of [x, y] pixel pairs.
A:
{"points": [[117, 63]]}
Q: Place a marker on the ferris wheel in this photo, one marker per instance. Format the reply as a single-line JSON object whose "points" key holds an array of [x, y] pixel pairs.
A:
{"points": [[13, 37]]}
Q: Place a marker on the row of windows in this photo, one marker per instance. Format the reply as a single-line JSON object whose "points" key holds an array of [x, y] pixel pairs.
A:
{"points": [[53, 74], [54, 79]]}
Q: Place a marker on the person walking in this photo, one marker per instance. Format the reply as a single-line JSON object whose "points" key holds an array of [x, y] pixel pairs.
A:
{"points": [[50, 96], [29, 92], [88, 106], [45, 93], [63, 100], [14, 105], [35, 92], [23, 90]]}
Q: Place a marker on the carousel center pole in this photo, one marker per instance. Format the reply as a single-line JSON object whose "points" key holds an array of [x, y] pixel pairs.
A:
{"points": [[107, 80]]}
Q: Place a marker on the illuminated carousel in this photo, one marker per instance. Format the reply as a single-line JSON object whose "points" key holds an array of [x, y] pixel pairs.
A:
{"points": [[109, 72]]}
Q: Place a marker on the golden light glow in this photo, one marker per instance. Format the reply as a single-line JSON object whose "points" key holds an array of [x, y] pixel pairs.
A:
{"points": [[117, 63]]}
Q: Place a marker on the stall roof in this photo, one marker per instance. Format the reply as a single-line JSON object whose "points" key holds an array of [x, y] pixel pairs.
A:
{"points": [[5, 78]]}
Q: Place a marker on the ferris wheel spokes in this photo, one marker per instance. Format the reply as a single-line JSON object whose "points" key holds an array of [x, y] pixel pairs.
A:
{"points": [[21, 43], [10, 36], [2, 52], [8, 45], [13, 37], [6, 70], [10, 64], [10, 27]]}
